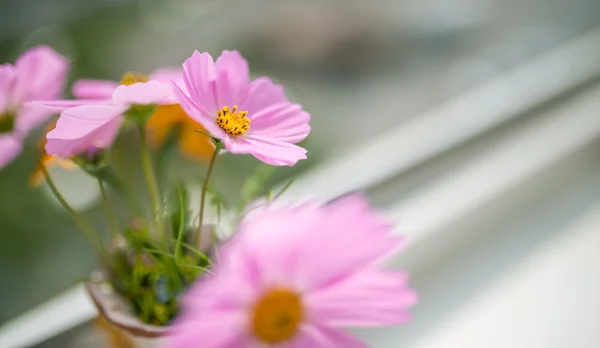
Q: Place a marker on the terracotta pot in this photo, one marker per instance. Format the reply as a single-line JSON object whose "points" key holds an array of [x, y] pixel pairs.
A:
{"points": [[123, 328]]}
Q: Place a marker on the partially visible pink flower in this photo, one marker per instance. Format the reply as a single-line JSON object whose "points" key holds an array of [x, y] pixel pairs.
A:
{"points": [[38, 74], [297, 277], [93, 92], [93, 89], [96, 125], [86, 89], [249, 117]]}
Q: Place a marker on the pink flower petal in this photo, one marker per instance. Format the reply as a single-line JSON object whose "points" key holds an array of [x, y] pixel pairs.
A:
{"points": [[31, 116], [143, 93], [221, 329], [282, 245], [273, 152], [10, 148], [362, 227], [348, 224], [94, 89], [214, 294], [318, 336], [198, 114], [41, 74], [284, 122], [62, 105], [7, 80], [262, 93], [199, 75], [81, 128], [167, 75], [368, 298], [232, 79]]}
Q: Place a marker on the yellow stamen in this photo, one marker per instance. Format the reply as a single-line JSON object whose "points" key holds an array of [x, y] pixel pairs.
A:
{"points": [[277, 315], [130, 78], [232, 121]]}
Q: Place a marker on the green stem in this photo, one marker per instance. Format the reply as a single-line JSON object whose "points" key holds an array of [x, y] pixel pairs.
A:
{"points": [[83, 224], [218, 148], [181, 223], [110, 216], [152, 183]]}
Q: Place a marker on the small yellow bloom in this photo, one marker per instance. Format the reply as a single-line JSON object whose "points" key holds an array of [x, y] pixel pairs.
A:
{"points": [[37, 177], [116, 338], [168, 118]]}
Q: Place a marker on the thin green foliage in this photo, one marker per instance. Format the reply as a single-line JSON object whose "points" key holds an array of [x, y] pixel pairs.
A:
{"points": [[255, 185]]}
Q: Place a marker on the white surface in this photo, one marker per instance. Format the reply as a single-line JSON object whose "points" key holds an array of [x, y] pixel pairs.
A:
{"points": [[549, 300], [526, 276], [526, 153], [62, 313], [455, 122]]}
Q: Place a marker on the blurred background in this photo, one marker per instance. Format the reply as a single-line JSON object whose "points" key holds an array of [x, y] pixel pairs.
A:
{"points": [[474, 122]]}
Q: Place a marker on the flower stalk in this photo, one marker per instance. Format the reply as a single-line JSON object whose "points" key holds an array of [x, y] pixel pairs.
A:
{"points": [[113, 225], [81, 221], [152, 183], [218, 147]]}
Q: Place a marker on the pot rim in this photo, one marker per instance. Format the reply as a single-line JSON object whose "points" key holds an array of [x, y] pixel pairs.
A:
{"points": [[116, 311]]}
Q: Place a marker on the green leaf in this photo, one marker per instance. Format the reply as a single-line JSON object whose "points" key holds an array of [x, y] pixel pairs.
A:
{"points": [[168, 147], [181, 215], [203, 133], [255, 185], [197, 252], [158, 252], [218, 143], [217, 199], [195, 267], [282, 191]]}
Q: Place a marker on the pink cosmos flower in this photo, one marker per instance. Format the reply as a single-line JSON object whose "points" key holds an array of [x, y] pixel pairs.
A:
{"points": [[96, 124], [39, 74], [249, 117], [295, 277]]}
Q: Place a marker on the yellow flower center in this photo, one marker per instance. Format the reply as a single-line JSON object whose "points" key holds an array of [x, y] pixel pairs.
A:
{"points": [[7, 122], [232, 121], [130, 78], [277, 315]]}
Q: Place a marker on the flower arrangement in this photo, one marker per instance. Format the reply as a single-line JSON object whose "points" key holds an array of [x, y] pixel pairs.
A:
{"points": [[290, 275]]}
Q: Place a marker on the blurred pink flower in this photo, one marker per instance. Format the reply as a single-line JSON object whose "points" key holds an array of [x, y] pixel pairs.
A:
{"points": [[249, 117], [95, 125], [38, 74], [296, 277]]}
